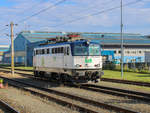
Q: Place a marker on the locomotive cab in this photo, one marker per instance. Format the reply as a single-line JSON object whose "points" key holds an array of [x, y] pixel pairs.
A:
{"points": [[87, 61]]}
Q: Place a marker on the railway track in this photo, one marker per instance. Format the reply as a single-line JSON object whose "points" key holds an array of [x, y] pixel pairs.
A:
{"points": [[109, 90], [106, 79], [116, 91], [126, 82], [8, 107], [34, 89]]}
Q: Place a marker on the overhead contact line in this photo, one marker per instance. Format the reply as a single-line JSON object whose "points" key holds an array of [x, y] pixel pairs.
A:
{"points": [[97, 13]]}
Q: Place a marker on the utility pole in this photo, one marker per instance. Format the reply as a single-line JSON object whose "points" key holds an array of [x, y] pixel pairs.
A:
{"points": [[122, 51], [12, 48], [25, 57]]}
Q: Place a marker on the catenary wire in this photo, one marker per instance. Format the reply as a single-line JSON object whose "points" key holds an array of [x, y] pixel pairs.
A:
{"points": [[37, 13], [97, 13], [86, 9], [41, 11], [33, 6], [93, 7]]}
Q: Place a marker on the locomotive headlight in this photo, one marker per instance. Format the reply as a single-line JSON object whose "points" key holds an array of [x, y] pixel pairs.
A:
{"points": [[78, 65]]}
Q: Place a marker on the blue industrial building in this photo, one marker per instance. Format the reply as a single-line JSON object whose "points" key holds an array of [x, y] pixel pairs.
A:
{"points": [[108, 55], [135, 45], [3, 48]]}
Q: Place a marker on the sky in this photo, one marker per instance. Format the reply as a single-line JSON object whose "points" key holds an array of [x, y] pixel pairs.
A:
{"points": [[73, 16]]}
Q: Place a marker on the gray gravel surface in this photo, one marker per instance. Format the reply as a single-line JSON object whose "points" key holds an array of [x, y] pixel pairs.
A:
{"points": [[73, 101], [114, 100], [27, 103], [110, 99], [86, 105]]}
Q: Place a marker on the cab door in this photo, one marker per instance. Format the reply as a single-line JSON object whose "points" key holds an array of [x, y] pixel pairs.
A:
{"points": [[66, 56]]}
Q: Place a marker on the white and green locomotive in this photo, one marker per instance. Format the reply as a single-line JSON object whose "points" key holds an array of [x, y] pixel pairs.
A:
{"points": [[75, 61]]}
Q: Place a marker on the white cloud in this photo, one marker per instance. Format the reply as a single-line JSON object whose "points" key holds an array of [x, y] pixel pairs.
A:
{"points": [[136, 15]]}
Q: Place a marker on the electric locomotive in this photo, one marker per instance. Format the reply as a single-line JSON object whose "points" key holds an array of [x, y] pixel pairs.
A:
{"points": [[71, 60]]}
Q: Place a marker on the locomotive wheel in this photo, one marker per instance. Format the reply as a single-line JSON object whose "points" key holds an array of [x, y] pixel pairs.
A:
{"points": [[36, 73], [65, 78], [62, 78]]}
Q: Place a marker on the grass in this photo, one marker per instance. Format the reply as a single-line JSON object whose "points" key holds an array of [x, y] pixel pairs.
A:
{"points": [[127, 76], [16, 67], [27, 68]]}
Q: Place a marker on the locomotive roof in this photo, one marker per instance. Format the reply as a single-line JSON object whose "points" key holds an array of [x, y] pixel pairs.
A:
{"points": [[65, 43]]}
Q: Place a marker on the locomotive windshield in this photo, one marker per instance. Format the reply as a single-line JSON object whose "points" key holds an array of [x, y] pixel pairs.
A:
{"points": [[86, 50], [94, 49]]}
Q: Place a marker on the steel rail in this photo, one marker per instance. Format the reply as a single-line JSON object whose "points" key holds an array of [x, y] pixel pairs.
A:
{"points": [[118, 92], [85, 100], [126, 82], [8, 107]]}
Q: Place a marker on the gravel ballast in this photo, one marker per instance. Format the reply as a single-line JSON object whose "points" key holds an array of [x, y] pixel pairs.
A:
{"points": [[137, 105], [27, 103]]}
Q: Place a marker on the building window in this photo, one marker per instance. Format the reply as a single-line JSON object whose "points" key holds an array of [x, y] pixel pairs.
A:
{"points": [[114, 52], [119, 52], [140, 51]]}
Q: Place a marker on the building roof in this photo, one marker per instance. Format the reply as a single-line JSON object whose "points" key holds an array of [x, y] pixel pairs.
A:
{"points": [[4, 46], [105, 38]]}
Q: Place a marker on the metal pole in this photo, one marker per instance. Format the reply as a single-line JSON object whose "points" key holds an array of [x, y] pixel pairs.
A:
{"points": [[122, 52], [25, 53], [12, 49], [25, 57]]}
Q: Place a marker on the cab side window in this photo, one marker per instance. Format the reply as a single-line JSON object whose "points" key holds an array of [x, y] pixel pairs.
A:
{"points": [[62, 49], [67, 50], [48, 51], [53, 50], [43, 51]]}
